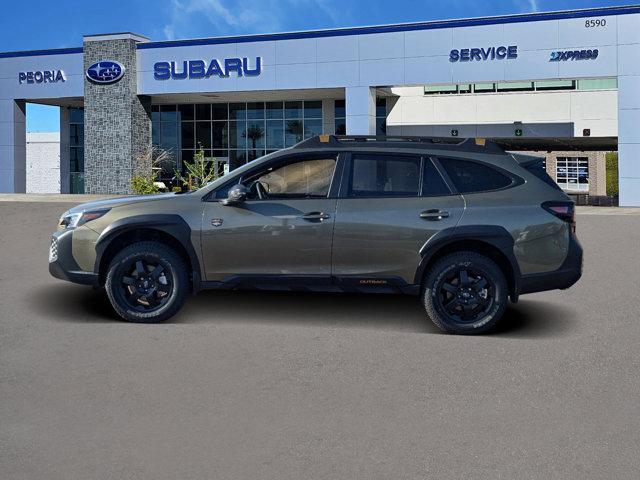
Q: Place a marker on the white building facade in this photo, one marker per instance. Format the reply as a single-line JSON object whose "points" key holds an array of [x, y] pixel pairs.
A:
{"points": [[562, 81]]}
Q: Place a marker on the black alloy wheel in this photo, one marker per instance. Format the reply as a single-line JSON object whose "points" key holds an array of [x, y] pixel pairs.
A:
{"points": [[465, 293], [147, 282]]}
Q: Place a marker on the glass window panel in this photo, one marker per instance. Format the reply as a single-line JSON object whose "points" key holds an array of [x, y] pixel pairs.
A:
{"points": [[76, 115], [312, 128], [187, 155], [155, 133], [381, 126], [597, 84], [237, 158], [220, 111], [304, 179], [464, 88], [484, 87], [381, 107], [292, 132], [253, 154], [237, 111], [341, 126], [218, 154], [237, 134], [440, 89], [188, 134], [76, 135], [203, 111], [186, 112], [255, 110], [514, 86], [155, 113], [220, 131], [380, 176], [203, 134], [555, 85], [275, 134], [168, 113], [292, 109], [275, 110], [169, 136], [255, 134], [313, 109], [340, 109]]}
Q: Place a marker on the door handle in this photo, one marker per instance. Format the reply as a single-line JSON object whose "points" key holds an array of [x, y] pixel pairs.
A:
{"points": [[316, 216], [434, 214]]}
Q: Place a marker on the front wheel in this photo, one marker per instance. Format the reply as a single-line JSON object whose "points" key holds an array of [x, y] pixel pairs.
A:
{"points": [[465, 293], [147, 282]]}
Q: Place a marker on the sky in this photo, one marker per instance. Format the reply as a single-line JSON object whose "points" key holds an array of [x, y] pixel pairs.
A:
{"points": [[37, 24]]}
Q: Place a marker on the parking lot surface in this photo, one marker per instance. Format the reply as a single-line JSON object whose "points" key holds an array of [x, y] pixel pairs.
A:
{"points": [[246, 385]]}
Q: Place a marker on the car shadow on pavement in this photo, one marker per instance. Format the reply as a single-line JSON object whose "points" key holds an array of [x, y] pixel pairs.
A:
{"points": [[527, 319]]}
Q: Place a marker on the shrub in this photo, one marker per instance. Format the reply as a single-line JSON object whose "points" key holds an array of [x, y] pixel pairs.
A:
{"points": [[612, 173], [147, 168], [199, 173]]}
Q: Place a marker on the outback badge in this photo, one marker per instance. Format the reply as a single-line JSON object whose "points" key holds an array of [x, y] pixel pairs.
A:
{"points": [[216, 222]]}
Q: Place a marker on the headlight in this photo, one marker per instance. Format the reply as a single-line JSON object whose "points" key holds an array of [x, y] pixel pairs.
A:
{"points": [[73, 220]]}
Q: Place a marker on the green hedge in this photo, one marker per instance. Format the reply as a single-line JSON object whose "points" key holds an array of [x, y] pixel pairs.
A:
{"points": [[612, 174]]}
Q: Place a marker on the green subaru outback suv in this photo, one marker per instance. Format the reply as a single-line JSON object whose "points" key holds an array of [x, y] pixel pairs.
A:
{"points": [[462, 224]]}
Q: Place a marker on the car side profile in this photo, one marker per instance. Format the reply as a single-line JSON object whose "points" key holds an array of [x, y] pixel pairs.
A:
{"points": [[460, 223]]}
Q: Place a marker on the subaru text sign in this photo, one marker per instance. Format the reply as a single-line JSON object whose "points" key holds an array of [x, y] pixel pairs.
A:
{"points": [[197, 69], [105, 71], [483, 54]]}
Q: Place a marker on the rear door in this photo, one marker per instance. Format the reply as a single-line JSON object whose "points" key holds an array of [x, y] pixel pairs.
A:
{"points": [[389, 206]]}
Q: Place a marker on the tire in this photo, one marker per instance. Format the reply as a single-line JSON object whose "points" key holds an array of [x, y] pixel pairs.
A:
{"points": [[465, 304], [164, 292]]}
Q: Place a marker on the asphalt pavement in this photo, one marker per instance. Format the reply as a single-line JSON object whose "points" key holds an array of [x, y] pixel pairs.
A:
{"points": [[246, 385]]}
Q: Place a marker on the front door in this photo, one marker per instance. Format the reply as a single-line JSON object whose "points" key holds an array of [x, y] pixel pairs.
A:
{"points": [[283, 229], [389, 207]]}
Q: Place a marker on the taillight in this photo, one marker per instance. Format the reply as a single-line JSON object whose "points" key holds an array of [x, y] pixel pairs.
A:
{"points": [[565, 211]]}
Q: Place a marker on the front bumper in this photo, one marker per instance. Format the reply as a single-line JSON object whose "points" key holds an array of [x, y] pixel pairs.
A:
{"points": [[567, 275], [61, 262]]}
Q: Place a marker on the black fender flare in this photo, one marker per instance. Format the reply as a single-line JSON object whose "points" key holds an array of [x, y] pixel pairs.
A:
{"points": [[171, 224], [492, 235]]}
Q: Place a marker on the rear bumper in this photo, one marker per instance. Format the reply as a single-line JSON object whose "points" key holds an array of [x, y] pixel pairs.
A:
{"points": [[61, 262], [567, 275]]}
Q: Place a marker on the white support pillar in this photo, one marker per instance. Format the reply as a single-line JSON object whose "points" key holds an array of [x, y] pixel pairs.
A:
{"points": [[360, 103], [65, 179], [13, 146], [629, 110]]}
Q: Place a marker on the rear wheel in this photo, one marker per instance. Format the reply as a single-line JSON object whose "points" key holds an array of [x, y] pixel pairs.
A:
{"points": [[147, 282], [465, 293]]}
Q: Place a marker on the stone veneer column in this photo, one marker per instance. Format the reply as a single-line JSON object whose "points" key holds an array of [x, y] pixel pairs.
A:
{"points": [[117, 122]]}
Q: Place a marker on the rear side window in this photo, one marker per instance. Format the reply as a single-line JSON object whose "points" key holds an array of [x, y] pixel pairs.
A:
{"points": [[469, 177], [385, 176], [536, 168]]}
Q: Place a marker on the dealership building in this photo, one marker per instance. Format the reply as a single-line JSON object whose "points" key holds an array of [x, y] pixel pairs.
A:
{"points": [[565, 85]]}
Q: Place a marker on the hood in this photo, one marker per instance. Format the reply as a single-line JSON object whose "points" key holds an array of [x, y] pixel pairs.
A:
{"points": [[120, 201]]}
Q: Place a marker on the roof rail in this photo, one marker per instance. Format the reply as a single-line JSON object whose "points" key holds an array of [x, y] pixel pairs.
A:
{"points": [[398, 141]]}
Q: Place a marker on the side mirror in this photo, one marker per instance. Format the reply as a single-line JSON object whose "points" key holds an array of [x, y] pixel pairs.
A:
{"points": [[237, 194]]}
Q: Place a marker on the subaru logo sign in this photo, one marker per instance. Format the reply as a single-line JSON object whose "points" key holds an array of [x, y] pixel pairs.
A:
{"points": [[105, 71]]}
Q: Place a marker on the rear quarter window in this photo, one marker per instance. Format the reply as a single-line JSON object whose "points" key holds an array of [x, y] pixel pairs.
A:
{"points": [[470, 177]]}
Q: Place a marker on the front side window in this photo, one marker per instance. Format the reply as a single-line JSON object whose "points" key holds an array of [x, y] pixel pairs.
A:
{"points": [[303, 179], [385, 176], [469, 177]]}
